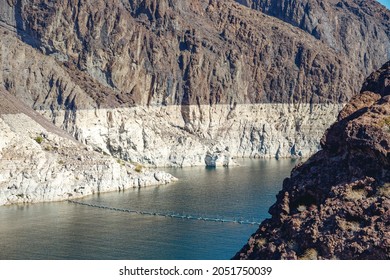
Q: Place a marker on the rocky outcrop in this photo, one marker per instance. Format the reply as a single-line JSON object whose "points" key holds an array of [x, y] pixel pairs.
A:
{"points": [[337, 204], [39, 162], [359, 29], [218, 158]]}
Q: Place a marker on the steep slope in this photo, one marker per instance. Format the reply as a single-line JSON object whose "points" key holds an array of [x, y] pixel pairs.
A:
{"points": [[184, 53], [360, 29], [337, 204], [39, 162], [105, 71]]}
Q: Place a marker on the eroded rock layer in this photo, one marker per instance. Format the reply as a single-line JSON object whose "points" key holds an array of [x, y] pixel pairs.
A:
{"points": [[123, 53], [360, 29], [337, 204], [69, 59], [158, 135], [171, 135], [39, 162]]}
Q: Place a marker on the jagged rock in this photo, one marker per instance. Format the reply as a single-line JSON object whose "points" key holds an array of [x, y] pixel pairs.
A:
{"points": [[158, 136], [174, 53], [163, 82], [337, 204], [358, 29], [218, 158]]}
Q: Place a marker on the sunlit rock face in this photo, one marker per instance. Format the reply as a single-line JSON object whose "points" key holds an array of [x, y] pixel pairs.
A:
{"points": [[159, 136]]}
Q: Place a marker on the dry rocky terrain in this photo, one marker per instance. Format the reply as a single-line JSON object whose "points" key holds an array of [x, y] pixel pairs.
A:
{"points": [[357, 28], [194, 66], [337, 204], [40, 162]]}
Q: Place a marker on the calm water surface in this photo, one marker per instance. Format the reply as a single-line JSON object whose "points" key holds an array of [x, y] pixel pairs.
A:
{"points": [[70, 231]]}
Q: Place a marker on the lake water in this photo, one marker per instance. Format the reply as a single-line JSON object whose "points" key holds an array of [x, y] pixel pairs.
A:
{"points": [[65, 230]]}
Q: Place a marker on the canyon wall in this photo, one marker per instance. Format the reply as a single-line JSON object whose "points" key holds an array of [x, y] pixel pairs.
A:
{"points": [[159, 136], [221, 75], [171, 83], [182, 53]]}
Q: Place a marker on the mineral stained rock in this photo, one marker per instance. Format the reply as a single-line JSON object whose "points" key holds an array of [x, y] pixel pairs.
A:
{"points": [[163, 82], [124, 53], [337, 204], [359, 29], [40, 162]]}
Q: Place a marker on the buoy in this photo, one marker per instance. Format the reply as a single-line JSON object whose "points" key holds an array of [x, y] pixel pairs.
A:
{"points": [[170, 214]]}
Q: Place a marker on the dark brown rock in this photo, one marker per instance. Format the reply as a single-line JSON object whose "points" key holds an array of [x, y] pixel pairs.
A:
{"points": [[123, 53], [359, 29], [336, 205]]}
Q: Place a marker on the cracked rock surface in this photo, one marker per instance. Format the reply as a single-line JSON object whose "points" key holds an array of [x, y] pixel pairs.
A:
{"points": [[39, 162], [337, 204]]}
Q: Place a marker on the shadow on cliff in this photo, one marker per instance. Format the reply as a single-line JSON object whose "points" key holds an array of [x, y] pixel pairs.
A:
{"points": [[23, 30]]}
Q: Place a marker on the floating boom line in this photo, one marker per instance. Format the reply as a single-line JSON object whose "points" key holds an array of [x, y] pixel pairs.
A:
{"points": [[168, 215]]}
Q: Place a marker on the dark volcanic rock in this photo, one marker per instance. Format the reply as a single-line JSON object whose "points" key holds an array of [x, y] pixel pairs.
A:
{"points": [[179, 52], [337, 204], [359, 29]]}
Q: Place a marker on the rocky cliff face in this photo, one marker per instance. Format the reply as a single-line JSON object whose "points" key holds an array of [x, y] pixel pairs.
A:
{"points": [[158, 136], [337, 204], [359, 29], [181, 53], [82, 62], [39, 162]]}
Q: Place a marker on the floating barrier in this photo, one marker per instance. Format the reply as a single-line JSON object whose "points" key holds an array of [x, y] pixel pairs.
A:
{"points": [[168, 215]]}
